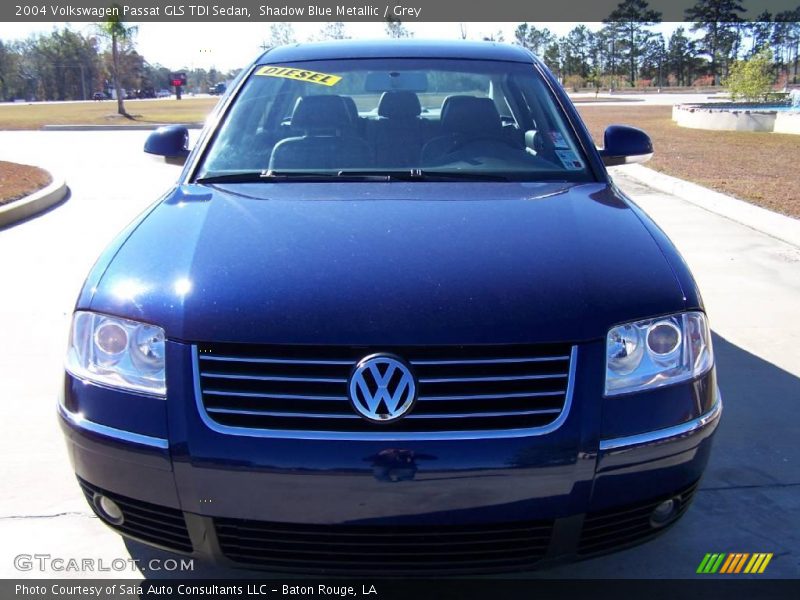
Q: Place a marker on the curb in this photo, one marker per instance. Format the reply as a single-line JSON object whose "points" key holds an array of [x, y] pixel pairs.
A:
{"points": [[35, 203], [786, 229], [134, 127]]}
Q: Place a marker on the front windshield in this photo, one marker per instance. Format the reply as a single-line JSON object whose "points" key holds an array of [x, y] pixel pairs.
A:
{"points": [[422, 116]]}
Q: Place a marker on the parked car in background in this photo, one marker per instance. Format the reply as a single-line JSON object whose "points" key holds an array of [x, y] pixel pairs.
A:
{"points": [[99, 96], [393, 317], [217, 90], [163, 94]]}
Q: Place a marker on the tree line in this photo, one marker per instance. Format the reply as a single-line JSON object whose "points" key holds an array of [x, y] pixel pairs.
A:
{"points": [[626, 52], [68, 65]]}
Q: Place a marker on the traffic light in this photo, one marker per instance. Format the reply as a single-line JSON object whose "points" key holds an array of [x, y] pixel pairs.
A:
{"points": [[178, 80]]}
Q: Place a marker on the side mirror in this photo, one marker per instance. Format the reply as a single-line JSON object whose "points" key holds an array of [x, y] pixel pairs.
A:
{"points": [[171, 142], [624, 145]]}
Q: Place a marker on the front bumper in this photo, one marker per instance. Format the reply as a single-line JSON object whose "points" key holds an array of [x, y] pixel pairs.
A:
{"points": [[476, 504]]}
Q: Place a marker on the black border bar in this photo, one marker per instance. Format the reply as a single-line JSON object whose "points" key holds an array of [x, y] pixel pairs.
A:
{"points": [[711, 588], [266, 11]]}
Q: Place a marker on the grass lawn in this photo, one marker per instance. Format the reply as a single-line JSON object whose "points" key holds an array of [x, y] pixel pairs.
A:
{"points": [[759, 167], [35, 115], [17, 180]]}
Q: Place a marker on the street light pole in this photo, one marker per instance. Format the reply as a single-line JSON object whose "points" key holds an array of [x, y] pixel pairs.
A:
{"points": [[83, 82]]}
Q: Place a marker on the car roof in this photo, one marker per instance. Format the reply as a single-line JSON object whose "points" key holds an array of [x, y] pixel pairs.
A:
{"points": [[405, 48]]}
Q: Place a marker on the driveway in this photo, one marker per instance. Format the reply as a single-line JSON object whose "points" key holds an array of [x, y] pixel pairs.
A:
{"points": [[749, 500]]}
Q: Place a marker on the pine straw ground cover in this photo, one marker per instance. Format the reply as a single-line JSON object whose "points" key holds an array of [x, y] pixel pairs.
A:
{"points": [[17, 181], [763, 168]]}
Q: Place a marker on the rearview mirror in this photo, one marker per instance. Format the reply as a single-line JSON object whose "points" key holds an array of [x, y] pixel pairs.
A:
{"points": [[171, 142], [624, 145], [410, 81]]}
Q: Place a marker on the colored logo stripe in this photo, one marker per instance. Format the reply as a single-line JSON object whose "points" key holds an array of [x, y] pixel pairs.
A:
{"points": [[758, 563], [734, 562], [710, 563]]}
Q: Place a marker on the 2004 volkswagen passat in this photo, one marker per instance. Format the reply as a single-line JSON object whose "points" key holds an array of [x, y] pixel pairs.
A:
{"points": [[394, 316]]}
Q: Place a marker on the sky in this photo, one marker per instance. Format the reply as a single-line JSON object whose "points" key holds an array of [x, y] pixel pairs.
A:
{"points": [[226, 46]]}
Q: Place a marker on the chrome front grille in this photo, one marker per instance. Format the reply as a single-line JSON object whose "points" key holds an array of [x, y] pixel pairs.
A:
{"points": [[460, 388]]}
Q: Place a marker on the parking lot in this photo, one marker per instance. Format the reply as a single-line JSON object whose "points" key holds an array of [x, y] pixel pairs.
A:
{"points": [[749, 500]]}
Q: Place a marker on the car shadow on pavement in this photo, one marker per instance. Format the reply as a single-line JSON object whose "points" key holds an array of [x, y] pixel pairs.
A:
{"points": [[748, 500]]}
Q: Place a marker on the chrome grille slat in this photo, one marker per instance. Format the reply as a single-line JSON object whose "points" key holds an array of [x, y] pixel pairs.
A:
{"points": [[487, 361], [477, 379], [215, 375], [278, 361], [484, 414], [267, 413], [493, 396], [460, 388], [276, 396]]}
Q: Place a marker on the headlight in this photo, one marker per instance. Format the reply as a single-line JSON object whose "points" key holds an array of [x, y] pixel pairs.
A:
{"points": [[649, 354], [117, 352]]}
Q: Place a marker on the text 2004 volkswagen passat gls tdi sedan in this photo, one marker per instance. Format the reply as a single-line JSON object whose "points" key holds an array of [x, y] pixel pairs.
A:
{"points": [[394, 316]]}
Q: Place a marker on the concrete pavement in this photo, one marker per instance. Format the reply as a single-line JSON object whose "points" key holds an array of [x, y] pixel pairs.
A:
{"points": [[44, 261], [765, 221], [650, 98], [748, 501]]}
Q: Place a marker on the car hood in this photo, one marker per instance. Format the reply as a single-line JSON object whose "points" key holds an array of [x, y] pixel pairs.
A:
{"points": [[388, 264]]}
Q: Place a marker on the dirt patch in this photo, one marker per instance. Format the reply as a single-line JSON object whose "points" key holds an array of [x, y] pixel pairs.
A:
{"points": [[18, 181], [758, 167]]}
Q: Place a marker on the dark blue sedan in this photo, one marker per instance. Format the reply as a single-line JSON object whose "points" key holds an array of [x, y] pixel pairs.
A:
{"points": [[394, 316]]}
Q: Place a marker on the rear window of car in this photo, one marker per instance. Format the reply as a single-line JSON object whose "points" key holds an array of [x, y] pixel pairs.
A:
{"points": [[485, 118]]}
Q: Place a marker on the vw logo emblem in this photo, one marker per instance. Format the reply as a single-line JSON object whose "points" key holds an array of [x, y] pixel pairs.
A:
{"points": [[382, 388]]}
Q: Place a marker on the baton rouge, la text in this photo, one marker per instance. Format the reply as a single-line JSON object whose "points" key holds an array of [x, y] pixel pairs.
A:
{"points": [[327, 590]]}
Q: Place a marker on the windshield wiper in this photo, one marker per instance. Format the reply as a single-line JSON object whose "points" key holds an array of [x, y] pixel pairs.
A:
{"points": [[270, 176], [462, 175], [240, 177], [425, 175]]}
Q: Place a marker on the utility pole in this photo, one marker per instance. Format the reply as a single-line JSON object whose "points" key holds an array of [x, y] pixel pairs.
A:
{"points": [[83, 82]]}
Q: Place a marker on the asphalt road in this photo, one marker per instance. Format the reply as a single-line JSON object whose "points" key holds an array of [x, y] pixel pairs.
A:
{"points": [[749, 500]]}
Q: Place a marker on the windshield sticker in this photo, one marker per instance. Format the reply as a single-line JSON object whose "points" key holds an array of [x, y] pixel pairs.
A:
{"points": [[558, 140], [569, 160], [299, 75]]}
